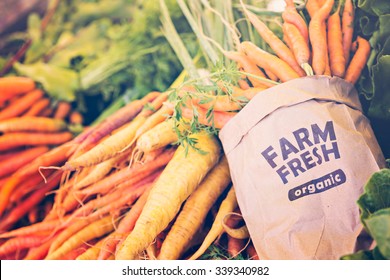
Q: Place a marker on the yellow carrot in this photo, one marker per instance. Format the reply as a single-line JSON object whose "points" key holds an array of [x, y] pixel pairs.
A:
{"points": [[178, 180], [227, 206], [94, 230], [194, 211]]}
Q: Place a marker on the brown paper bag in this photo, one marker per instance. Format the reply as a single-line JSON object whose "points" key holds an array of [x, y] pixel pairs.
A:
{"points": [[299, 155]]}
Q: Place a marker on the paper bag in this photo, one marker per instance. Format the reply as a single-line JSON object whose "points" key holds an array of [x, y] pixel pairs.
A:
{"points": [[299, 155]]}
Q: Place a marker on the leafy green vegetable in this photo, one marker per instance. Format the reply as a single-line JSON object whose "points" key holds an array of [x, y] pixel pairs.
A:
{"points": [[374, 204]]}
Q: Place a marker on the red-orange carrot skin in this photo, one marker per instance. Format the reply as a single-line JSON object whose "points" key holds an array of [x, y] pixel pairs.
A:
{"points": [[14, 85], [21, 105], [347, 27], [335, 45], [358, 61], [19, 243], [38, 107], [290, 15]]}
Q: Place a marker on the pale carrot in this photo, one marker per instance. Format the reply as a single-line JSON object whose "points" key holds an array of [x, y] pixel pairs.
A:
{"points": [[188, 167], [21, 105], [92, 253], [227, 206], [93, 230], [358, 61], [194, 211]]}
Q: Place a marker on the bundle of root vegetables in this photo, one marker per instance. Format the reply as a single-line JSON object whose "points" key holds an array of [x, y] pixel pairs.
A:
{"points": [[127, 188]]}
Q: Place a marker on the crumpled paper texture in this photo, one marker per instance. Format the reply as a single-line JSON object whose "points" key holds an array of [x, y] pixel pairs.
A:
{"points": [[299, 155]]}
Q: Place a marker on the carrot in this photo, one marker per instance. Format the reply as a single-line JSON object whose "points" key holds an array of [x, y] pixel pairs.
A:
{"points": [[92, 253], [37, 108], [91, 231], [104, 185], [36, 124], [75, 253], [124, 227], [298, 45], [235, 246], [227, 206], [217, 119], [108, 148], [243, 84], [14, 85], [48, 113], [26, 187], [32, 229], [347, 26], [358, 61], [194, 211], [116, 120], [335, 45], [62, 110], [317, 34], [39, 252], [76, 118], [157, 137], [251, 252], [16, 213], [312, 7], [99, 171], [21, 105], [277, 45], [19, 243], [248, 66], [270, 62], [230, 227], [291, 16], [187, 168], [10, 165]]}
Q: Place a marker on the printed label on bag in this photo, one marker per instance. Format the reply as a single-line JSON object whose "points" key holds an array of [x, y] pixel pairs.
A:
{"points": [[321, 184], [308, 148]]}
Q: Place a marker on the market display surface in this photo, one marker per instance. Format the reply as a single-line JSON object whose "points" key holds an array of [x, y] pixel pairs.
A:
{"points": [[173, 129]]}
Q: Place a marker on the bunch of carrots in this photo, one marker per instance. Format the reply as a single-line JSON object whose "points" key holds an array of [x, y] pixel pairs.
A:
{"points": [[322, 46], [121, 194]]}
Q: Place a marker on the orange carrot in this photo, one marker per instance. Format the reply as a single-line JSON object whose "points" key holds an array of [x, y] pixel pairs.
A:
{"points": [[358, 61], [19, 139], [277, 45], [235, 246], [291, 16], [347, 27], [21, 104], [37, 124], [335, 45], [251, 251], [16, 213], [76, 118], [48, 113], [62, 110], [248, 66], [39, 252], [217, 119], [298, 45], [38, 107], [270, 62], [317, 34], [14, 85], [20, 159], [19, 243], [312, 7]]}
